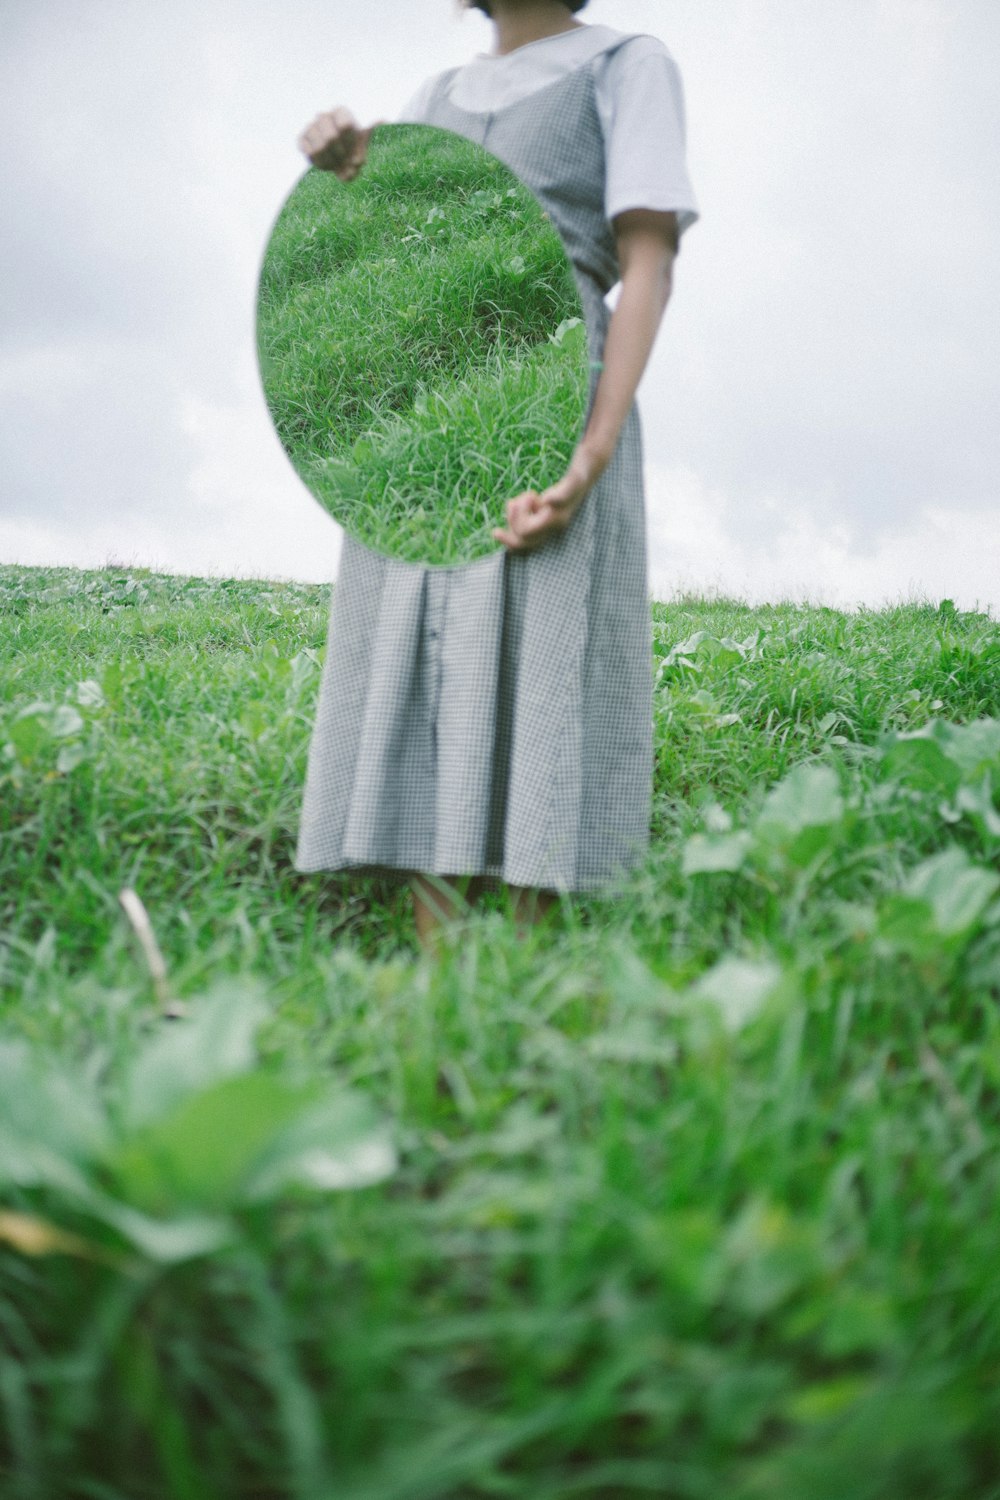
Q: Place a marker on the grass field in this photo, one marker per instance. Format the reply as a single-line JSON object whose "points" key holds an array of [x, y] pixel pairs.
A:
{"points": [[695, 1196], [428, 300]]}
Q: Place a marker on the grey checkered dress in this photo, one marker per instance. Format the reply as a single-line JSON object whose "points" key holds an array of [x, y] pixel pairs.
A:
{"points": [[495, 718]]}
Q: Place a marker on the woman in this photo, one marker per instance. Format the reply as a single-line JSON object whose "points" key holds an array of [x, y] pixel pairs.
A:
{"points": [[495, 720]]}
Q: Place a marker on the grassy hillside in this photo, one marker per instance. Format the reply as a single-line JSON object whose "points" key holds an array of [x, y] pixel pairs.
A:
{"points": [[697, 1196]]}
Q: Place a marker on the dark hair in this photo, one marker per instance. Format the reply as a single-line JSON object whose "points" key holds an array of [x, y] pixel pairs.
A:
{"points": [[484, 5]]}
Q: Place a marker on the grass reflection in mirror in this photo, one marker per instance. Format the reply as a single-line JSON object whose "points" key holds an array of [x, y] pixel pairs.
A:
{"points": [[422, 345]]}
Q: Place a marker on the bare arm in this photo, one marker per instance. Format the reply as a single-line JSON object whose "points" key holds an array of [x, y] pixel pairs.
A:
{"points": [[646, 249], [647, 245]]}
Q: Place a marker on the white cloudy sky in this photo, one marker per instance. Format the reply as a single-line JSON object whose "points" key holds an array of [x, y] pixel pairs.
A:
{"points": [[820, 409]]}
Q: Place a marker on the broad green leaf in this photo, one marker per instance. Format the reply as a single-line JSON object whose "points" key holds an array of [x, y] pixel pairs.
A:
{"points": [[688, 647], [632, 985], [44, 1105], [919, 761], [709, 852], [564, 329], [907, 924], [167, 1241], [571, 336], [805, 846], [956, 889], [977, 802], [202, 1151], [857, 918], [36, 710], [70, 756], [974, 747], [722, 653], [32, 1163], [89, 693], [248, 1138], [939, 755], [808, 797], [715, 817], [703, 702], [337, 1142], [738, 988], [66, 721], [215, 1041], [940, 903], [357, 1164], [29, 732], [800, 814]]}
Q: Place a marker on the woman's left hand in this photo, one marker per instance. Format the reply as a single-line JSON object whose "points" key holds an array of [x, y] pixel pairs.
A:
{"points": [[533, 517]]}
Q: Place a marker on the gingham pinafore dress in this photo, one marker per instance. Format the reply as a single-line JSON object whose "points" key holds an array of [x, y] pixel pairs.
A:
{"points": [[495, 717]]}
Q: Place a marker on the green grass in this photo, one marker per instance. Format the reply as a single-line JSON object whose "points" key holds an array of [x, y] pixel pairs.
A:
{"points": [[417, 344], [696, 1195]]}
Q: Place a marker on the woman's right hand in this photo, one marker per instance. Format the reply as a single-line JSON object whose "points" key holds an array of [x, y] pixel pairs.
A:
{"points": [[334, 142]]}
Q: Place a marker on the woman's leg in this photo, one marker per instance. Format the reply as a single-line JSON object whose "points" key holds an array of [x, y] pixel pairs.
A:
{"points": [[437, 901], [531, 906]]}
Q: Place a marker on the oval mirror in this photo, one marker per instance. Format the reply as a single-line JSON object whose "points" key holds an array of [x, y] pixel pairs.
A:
{"points": [[422, 344]]}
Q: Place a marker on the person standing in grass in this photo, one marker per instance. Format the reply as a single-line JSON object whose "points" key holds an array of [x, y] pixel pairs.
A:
{"points": [[493, 721]]}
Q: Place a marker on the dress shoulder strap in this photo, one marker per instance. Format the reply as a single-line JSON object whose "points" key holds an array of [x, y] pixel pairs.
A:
{"points": [[441, 87]]}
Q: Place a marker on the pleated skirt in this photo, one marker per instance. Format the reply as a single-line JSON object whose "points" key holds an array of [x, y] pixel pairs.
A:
{"points": [[493, 718]]}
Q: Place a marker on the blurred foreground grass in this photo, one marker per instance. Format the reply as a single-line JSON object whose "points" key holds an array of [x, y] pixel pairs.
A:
{"points": [[697, 1195]]}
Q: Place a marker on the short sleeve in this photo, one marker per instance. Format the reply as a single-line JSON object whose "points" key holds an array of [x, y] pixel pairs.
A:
{"points": [[640, 99]]}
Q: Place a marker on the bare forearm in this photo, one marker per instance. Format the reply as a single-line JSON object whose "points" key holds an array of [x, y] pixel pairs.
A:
{"points": [[627, 346], [647, 244]]}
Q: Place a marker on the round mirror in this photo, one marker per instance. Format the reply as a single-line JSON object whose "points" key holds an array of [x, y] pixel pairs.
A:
{"points": [[422, 344]]}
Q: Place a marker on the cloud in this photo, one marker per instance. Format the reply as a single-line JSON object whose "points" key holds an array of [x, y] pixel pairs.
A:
{"points": [[828, 329], [802, 555], [258, 511], [823, 392]]}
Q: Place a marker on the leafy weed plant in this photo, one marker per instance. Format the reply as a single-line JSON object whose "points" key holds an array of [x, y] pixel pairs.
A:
{"points": [[694, 1192]]}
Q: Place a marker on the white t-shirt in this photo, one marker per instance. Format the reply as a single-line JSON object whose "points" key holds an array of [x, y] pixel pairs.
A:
{"points": [[640, 101]]}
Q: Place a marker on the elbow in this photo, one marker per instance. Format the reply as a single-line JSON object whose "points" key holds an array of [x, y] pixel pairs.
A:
{"points": [[653, 280]]}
